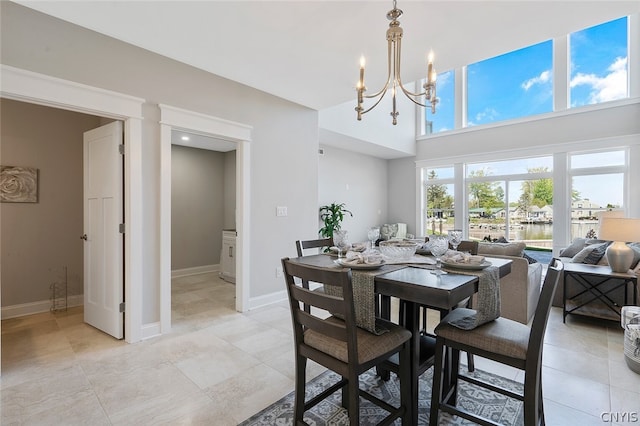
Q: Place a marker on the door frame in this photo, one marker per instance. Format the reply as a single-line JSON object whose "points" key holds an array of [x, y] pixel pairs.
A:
{"points": [[172, 118], [27, 86]]}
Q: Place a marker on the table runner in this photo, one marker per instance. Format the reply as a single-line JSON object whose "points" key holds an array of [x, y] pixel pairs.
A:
{"points": [[364, 300], [488, 307]]}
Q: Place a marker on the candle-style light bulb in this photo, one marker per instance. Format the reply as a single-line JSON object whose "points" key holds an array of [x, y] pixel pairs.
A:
{"points": [[430, 57], [361, 82]]}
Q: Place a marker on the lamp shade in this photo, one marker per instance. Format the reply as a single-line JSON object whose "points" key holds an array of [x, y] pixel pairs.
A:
{"points": [[620, 229]]}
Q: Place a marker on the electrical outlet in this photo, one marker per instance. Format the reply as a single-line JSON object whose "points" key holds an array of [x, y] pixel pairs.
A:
{"points": [[281, 210], [279, 272]]}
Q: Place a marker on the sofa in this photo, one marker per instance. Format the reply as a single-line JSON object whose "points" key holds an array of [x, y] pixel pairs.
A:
{"points": [[520, 289], [592, 251]]}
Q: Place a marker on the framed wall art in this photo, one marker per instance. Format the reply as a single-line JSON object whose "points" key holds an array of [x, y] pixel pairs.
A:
{"points": [[18, 184]]}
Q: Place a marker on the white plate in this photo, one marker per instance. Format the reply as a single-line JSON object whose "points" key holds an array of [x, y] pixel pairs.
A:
{"points": [[470, 267], [359, 265]]}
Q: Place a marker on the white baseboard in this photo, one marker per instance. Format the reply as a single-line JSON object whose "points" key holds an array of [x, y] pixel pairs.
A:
{"points": [[15, 311], [150, 330], [195, 270], [267, 299]]}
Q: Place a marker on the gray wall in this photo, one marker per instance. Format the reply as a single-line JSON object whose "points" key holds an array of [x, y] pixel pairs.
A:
{"points": [[40, 43], [197, 206], [359, 181], [229, 190], [39, 239]]}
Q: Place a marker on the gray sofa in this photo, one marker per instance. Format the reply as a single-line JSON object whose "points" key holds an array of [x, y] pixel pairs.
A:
{"points": [[519, 290]]}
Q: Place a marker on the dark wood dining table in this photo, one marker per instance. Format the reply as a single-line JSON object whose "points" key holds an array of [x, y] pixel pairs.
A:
{"points": [[416, 286]]}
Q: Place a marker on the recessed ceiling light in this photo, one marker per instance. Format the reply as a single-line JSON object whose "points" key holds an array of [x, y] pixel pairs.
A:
{"points": [[185, 138]]}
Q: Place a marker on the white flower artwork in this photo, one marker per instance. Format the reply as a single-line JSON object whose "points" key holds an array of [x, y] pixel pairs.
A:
{"points": [[18, 184]]}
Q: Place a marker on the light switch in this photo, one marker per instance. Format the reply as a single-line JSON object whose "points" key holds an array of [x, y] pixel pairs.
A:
{"points": [[281, 211]]}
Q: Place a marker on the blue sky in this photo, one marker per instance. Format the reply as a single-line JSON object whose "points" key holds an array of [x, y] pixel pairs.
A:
{"points": [[520, 83]]}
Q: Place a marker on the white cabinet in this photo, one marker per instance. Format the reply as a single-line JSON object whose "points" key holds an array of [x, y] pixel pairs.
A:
{"points": [[228, 256]]}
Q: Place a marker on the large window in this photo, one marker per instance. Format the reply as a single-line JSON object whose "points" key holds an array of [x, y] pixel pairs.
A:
{"points": [[443, 119], [513, 85], [597, 184], [519, 84], [511, 199], [599, 63]]}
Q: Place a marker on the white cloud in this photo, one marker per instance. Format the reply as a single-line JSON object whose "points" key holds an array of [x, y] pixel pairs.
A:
{"points": [[488, 113], [611, 86], [544, 77]]}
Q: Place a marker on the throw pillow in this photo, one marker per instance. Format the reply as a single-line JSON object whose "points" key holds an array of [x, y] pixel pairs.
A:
{"points": [[574, 248], [596, 254], [388, 231], [529, 258], [581, 256], [501, 240], [502, 249], [636, 254]]}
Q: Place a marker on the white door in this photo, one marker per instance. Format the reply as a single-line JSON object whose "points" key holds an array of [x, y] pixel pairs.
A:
{"points": [[103, 241]]}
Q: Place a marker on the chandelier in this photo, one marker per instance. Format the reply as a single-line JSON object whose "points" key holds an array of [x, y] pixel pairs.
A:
{"points": [[394, 42]]}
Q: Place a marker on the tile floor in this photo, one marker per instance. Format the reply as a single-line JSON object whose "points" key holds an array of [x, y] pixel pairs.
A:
{"points": [[219, 367]]}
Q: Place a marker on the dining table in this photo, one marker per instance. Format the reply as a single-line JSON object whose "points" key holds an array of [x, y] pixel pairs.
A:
{"points": [[416, 286]]}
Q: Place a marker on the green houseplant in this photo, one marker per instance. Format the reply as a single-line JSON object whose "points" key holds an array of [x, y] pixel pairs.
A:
{"points": [[332, 215]]}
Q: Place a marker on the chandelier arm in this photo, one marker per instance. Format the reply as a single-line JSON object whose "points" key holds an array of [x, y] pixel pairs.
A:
{"points": [[384, 92], [386, 86], [408, 93]]}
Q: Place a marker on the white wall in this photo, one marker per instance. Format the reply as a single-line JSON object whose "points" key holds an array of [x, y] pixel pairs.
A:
{"points": [[42, 44], [359, 181]]}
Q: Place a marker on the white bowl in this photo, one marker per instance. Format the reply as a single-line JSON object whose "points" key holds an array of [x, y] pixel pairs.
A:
{"points": [[398, 249]]}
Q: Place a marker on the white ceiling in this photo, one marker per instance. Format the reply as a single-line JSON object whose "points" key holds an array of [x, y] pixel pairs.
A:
{"points": [[308, 51]]}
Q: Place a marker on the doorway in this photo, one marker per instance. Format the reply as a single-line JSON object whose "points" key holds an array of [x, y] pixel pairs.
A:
{"points": [[222, 131], [30, 87]]}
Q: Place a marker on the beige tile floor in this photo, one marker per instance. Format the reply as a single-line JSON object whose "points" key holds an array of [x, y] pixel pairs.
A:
{"points": [[218, 367]]}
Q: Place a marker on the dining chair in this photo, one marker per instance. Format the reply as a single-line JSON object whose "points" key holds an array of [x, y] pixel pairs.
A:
{"points": [[302, 245], [335, 342], [502, 340]]}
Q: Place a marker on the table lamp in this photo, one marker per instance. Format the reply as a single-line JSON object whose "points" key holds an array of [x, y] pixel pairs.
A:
{"points": [[619, 230]]}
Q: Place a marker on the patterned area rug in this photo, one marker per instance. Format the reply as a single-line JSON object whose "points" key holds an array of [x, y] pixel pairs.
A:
{"points": [[499, 408]]}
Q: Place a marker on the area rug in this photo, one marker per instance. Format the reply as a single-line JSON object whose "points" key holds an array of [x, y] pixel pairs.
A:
{"points": [[497, 407]]}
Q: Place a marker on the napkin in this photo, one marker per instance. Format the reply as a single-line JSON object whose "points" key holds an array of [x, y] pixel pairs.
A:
{"points": [[452, 256], [356, 258]]}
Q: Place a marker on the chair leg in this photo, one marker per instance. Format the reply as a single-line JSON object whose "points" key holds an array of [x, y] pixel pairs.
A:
{"points": [[436, 390], [532, 398], [301, 366], [354, 399], [453, 376], [470, 364], [405, 383], [345, 395]]}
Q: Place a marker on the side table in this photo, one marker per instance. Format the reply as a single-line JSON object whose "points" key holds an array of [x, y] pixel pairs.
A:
{"points": [[597, 283]]}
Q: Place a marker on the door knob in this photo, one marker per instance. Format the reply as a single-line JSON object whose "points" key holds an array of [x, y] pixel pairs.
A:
{"points": [[84, 237]]}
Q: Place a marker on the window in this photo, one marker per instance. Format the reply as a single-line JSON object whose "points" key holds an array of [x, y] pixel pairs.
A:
{"points": [[512, 199], [513, 85], [597, 184], [599, 63], [438, 200], [443, 119]]}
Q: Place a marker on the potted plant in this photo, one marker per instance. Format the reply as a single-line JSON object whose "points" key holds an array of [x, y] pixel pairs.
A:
{"points": [[332, 216]]}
